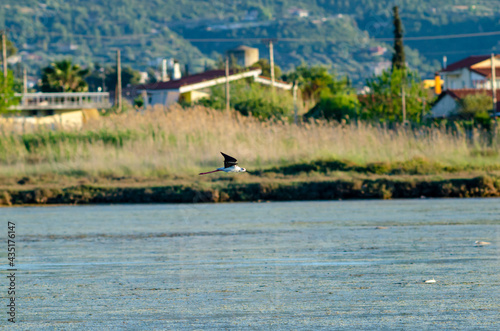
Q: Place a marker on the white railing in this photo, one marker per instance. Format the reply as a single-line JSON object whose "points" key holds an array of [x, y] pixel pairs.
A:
{"points": [[80, 100]]}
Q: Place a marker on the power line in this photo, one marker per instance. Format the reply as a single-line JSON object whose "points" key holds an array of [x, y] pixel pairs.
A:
{"points": [[259, 39], [449, 36], [128, 36], [227, 40], [482, 50], [90, 36], [455, 36]]}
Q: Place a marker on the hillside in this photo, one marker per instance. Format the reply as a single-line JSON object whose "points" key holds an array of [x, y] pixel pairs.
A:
{"points": [[341, 34]]}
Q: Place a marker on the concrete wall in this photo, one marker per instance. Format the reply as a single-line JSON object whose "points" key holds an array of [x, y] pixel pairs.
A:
{"points": [[166, 98], [68, 119], [445, 107]]}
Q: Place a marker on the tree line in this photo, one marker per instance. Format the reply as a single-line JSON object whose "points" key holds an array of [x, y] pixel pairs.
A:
{"points": [[323, 94], [161, 28]]}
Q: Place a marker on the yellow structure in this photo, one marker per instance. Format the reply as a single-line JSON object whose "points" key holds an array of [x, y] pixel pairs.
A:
{"points": [[193, 96], [436, 84], [90, 114], [64, 119]]}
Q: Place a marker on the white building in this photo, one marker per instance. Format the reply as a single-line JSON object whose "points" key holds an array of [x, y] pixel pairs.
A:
{"points": [[194, 87], [473, 72], [449, 102], [470, 76]]}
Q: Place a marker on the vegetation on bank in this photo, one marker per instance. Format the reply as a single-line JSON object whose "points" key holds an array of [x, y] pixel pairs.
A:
{"points": [[332, 189], [7, 98], [155, 156], [182, 141]]}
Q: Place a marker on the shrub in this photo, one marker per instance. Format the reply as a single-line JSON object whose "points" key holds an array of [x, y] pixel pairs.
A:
{"points": [[252, 99], [341, 106]]}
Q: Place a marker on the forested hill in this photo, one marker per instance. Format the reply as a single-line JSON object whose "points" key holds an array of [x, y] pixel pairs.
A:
{"points": [[339, 33]]}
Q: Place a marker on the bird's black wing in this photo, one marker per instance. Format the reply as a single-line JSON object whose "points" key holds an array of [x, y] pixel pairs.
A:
{"points": [[229, 161]]}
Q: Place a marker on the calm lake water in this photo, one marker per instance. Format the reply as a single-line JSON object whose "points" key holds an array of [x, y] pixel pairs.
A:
{"points": [[293, 265]]}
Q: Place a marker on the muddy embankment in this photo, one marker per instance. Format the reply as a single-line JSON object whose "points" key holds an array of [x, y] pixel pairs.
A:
{"points": [[386, 188]]}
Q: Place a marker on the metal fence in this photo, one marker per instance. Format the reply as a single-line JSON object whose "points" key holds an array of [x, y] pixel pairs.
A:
{"points": [[53, 101]]}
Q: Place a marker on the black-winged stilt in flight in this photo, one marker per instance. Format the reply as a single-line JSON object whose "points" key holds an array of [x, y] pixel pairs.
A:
{"points": [[230, 165]]}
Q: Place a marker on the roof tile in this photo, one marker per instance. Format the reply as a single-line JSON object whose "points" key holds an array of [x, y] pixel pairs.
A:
{"points": [[466, 63]]}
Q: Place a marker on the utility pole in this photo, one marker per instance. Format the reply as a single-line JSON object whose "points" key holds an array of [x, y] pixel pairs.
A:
{"points": [[403, 96], [403, 103], [4, 55], [118, 80], [164, 76], [494, 96], [145, 99], [493, 86], [423, 110], [294, 91], [25, 81], [227, 85], [103, 76], [271, 62]]}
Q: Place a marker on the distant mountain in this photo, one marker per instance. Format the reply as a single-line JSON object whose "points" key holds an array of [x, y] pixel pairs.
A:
{"points": [[345, 35]]}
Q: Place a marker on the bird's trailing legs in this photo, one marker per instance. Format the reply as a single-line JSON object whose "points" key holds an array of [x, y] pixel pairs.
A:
{"points": [[204, 173]]}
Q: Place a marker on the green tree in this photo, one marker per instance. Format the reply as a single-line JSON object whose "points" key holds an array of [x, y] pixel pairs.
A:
{"points": [[64, 76], [338, 107], [473, 105], [220, 63], [476, 108], [151, 76], [313, 82], [384, 102], [266, 68], [11, 49], [252, 99], [96, 78], [398, 59], [7, 98], [129, 77]]}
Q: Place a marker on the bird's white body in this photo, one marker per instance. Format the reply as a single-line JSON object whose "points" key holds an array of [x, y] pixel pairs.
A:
{"points": [[230, 165], [234, 168]]}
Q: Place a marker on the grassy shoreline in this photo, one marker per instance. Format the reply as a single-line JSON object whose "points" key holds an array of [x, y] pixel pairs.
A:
{"points": [[156, 156], [188, 141]]}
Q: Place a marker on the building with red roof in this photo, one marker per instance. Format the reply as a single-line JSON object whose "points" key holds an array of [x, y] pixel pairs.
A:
{"points": [[448, 102], [469, 76], [190, 88], [473, 72]]}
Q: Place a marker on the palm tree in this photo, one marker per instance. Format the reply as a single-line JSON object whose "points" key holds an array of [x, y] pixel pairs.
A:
{"points": [[64, 76]]}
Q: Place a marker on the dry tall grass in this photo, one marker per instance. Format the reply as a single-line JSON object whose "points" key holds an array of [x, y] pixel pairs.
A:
{"points": [[181, 141]]}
